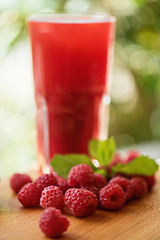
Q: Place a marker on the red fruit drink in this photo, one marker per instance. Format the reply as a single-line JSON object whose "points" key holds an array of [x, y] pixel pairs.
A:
{"points": [[72, 57]]}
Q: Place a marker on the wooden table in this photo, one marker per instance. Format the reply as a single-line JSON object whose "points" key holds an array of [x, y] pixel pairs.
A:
{"points": [[137, 220]]}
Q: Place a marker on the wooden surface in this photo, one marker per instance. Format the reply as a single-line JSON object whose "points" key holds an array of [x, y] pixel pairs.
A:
{"points": [[137, 220]]}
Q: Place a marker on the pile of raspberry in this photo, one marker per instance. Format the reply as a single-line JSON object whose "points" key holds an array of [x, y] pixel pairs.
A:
{"points": [[81, 194]]}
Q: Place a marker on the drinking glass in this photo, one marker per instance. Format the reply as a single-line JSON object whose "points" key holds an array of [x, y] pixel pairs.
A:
{"points": [[72, 61]]}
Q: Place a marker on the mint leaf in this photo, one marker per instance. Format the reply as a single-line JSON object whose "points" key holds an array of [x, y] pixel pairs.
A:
{"points": [[101, 171], [63, 163], [103, 151], [142, 165], [93, 147]]}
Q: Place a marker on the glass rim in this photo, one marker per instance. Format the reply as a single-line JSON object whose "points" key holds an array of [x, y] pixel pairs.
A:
{"points": [[74, 18]]}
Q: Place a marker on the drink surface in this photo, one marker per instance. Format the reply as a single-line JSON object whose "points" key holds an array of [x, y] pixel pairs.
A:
{"points": [[71, 61]]}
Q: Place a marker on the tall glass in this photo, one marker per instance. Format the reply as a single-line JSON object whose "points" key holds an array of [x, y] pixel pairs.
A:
{"points": [[72, 58]]}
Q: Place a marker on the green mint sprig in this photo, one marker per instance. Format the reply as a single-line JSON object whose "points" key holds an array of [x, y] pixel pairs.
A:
{"points": [[103, 152], [142, 165]]}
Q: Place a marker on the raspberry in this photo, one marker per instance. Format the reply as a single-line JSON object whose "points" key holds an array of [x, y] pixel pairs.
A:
{"points": [[92, 189], [52, 196], [80, 176], [54, 173], [117, 159], [17, 181], [46, 180], [99, 181], [125, 184], [112, 197], [53, 223], [131, 155], [29, 195], [119, 174], [62, 184], [80, 202], [150, 180], [139, 187]]}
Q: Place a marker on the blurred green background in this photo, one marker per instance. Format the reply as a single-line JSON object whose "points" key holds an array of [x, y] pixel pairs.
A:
{"points": [[135, 107]]}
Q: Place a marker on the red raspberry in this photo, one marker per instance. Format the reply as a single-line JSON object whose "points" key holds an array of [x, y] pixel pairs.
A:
{"points": [[80, 176], [46, 180], [139, 187], [99, 181], [125, 184], [29, 195], [131, 155], [92, 189], [112, 197], [17, 181], [62, 184], [54, 173], [52, 196], [53, 223], [80, 202], [117, 159], [150, 180], [118, 174]]}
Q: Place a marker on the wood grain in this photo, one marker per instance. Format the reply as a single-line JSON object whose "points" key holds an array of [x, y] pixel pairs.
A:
{"points": [[137, 220]]}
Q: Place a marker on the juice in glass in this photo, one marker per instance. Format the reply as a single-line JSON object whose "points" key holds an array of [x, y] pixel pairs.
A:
{"points": [[72, 56]]}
